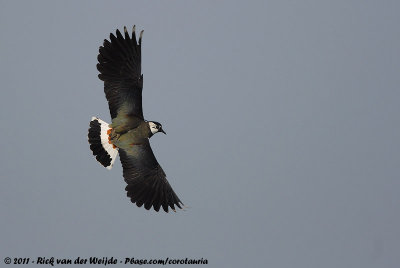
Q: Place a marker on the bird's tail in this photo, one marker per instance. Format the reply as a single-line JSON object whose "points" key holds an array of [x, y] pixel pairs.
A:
{"points": [[98, 135]]}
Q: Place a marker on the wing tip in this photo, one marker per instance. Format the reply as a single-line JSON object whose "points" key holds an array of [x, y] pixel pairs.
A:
{"points": [[148, 204], [140, 37]]}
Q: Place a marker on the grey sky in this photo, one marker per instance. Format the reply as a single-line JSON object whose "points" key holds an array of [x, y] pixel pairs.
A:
{"points": [[282, 120]]}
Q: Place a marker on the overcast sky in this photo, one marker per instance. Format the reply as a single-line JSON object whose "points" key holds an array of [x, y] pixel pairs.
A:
{"points": [[282, 120]]}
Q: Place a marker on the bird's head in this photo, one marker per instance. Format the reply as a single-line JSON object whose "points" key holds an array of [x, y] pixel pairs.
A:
{"points": [[155, 127]]}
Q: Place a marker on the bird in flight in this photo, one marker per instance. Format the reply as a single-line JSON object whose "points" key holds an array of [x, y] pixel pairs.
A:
{"points": [[119, 64]]}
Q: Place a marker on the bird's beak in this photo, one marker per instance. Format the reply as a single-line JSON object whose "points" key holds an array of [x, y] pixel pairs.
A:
{"points": [[162, 130]]}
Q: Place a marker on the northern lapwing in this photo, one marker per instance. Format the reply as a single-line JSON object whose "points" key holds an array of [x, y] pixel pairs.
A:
{"points": [[119, 64]]}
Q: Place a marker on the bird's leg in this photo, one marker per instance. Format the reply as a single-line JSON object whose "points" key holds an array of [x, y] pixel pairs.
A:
{"points": [[112, 136]]}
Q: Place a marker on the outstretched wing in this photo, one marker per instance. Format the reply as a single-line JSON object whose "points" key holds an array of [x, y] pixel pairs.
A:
{"points": [[147, 182], [120, 69]]}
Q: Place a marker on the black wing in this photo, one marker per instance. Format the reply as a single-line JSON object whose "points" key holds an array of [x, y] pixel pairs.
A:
{"points": [[147, 182], [120, 69]]}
